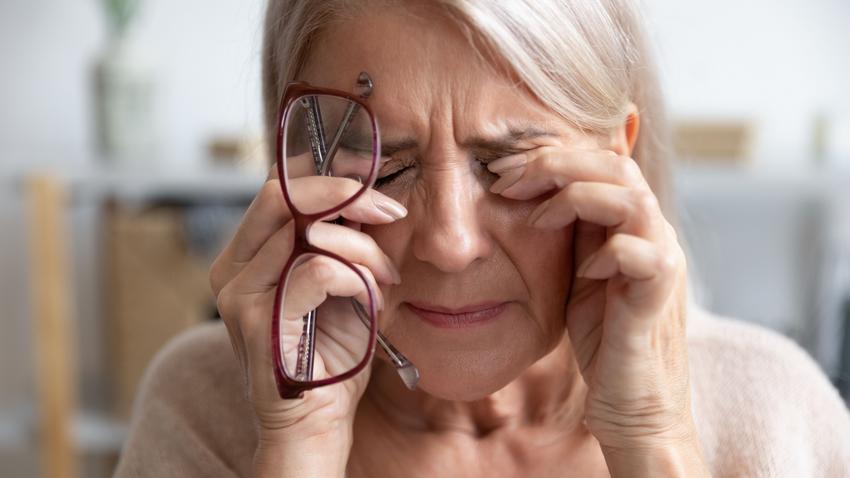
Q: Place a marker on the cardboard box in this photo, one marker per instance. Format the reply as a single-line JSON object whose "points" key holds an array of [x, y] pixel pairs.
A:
{"points": [[154, 289], [729, 141]]}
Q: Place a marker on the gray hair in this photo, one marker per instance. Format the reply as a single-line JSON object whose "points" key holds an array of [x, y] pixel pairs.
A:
{"points": [[584, 59]]}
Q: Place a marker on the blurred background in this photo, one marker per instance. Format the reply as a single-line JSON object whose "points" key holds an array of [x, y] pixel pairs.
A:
{"points": [[130, 145]]}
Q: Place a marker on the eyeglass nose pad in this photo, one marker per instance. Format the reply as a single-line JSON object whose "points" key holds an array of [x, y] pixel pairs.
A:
{"points": [[364, 85]]}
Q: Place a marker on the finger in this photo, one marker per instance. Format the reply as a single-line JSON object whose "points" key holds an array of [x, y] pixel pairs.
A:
{"points": [[553, 168], [268, 213], [344, 163], [262, 273], [357, 247], [313, 280], [298, 166], [648, 269], [625, 210], [328, 286], [321, 193], [309, 285]]}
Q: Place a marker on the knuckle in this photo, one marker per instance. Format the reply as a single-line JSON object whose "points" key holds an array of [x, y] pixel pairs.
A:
{"points": [[645, 202], [215, 276], [572, 192], [549, 162], [269, 191], [320, 270], [221, 270], [626, 169], [667, 262], [226, 304], [618, 241]]}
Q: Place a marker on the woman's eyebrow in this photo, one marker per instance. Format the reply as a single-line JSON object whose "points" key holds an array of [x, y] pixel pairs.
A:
{"points": [[391, 147], [494, 143], [507, 140]]}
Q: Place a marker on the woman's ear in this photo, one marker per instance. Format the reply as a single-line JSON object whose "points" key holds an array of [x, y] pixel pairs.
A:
{"points": [[624, 137]]}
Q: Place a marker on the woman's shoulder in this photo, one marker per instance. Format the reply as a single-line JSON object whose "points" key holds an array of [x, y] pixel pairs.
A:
{"points": [[198, 370], [191, 416], [762, 404], [197, 364], [206, 346]]}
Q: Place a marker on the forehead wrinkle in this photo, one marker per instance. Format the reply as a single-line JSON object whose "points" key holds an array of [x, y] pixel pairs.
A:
{"points": [[418, 94]]}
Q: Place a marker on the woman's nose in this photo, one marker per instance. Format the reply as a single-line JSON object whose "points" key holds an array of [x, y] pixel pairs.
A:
{"points": [[450, 234]]}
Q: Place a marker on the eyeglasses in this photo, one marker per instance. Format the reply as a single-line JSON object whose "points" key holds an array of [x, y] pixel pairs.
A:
{"points": [[323, 338]]}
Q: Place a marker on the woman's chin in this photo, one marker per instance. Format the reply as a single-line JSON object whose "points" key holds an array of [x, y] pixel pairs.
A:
{"points": [[469, 378], [469, 363]]}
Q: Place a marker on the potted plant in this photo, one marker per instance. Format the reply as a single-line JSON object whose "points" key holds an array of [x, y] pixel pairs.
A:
{"points": [[124, 91]]}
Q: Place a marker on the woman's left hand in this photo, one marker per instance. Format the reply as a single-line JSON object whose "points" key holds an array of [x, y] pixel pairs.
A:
{"points": [[626, 311]]}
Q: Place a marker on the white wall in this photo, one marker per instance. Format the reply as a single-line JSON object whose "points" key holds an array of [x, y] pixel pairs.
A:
{"points": [[777, 61], [205, 53]]}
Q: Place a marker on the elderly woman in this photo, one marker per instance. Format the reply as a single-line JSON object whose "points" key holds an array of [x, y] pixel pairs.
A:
{"points": [[463, 264]]}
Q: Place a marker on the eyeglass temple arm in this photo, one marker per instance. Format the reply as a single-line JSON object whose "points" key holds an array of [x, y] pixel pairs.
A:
{"points": [[346, 121], [307, 347], [316, 131], [364, 89], [406, 370], [324, 156]]}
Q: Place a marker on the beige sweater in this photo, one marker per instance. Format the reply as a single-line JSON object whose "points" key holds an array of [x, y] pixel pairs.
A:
{"points": [[762, 407]]}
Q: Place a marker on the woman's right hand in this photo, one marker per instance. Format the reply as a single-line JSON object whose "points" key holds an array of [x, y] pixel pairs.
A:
{"points": [[298, 433]]}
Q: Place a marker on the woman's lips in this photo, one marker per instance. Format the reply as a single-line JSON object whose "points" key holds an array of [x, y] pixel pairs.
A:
{"points": [[466, 316]]}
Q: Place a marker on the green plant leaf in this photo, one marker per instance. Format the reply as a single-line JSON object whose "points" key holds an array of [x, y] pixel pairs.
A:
{"points": [[121, 12]]}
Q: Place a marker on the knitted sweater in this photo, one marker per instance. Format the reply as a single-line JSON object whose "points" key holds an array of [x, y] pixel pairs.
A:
{"points": [[761, 405]]}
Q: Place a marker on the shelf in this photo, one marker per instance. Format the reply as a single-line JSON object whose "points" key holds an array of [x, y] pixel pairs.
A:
{"points": [[721, 181], [132, 186], [93, 432]]}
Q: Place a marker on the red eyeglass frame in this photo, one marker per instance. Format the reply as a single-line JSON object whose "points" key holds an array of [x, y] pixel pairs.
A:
{"points": [[287, 387]]}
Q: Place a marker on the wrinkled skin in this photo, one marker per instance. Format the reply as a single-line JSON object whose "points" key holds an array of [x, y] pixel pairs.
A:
{"points": [[560, 224]]}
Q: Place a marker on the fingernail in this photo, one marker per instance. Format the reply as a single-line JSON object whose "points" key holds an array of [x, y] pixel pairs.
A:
{"points": [[507, 180], [582, 270], [388, 206], [538, 212], [506, 163], [393, 270]]}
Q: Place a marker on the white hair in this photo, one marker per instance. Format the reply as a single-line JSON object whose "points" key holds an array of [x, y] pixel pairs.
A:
{"points": [[584, 59]]}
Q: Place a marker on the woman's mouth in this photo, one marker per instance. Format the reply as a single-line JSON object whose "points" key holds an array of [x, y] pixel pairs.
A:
{"points": [[466, 316]]}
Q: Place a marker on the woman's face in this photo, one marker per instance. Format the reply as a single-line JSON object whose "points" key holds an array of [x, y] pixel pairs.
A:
{"points": [[446, 114]]}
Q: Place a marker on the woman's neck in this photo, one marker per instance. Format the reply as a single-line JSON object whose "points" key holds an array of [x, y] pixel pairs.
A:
{"points": [[549, 394]]}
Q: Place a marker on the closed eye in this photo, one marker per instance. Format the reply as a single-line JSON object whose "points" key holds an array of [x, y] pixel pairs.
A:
{"points": [[390, 178], [397, 171], [393, 169]]}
